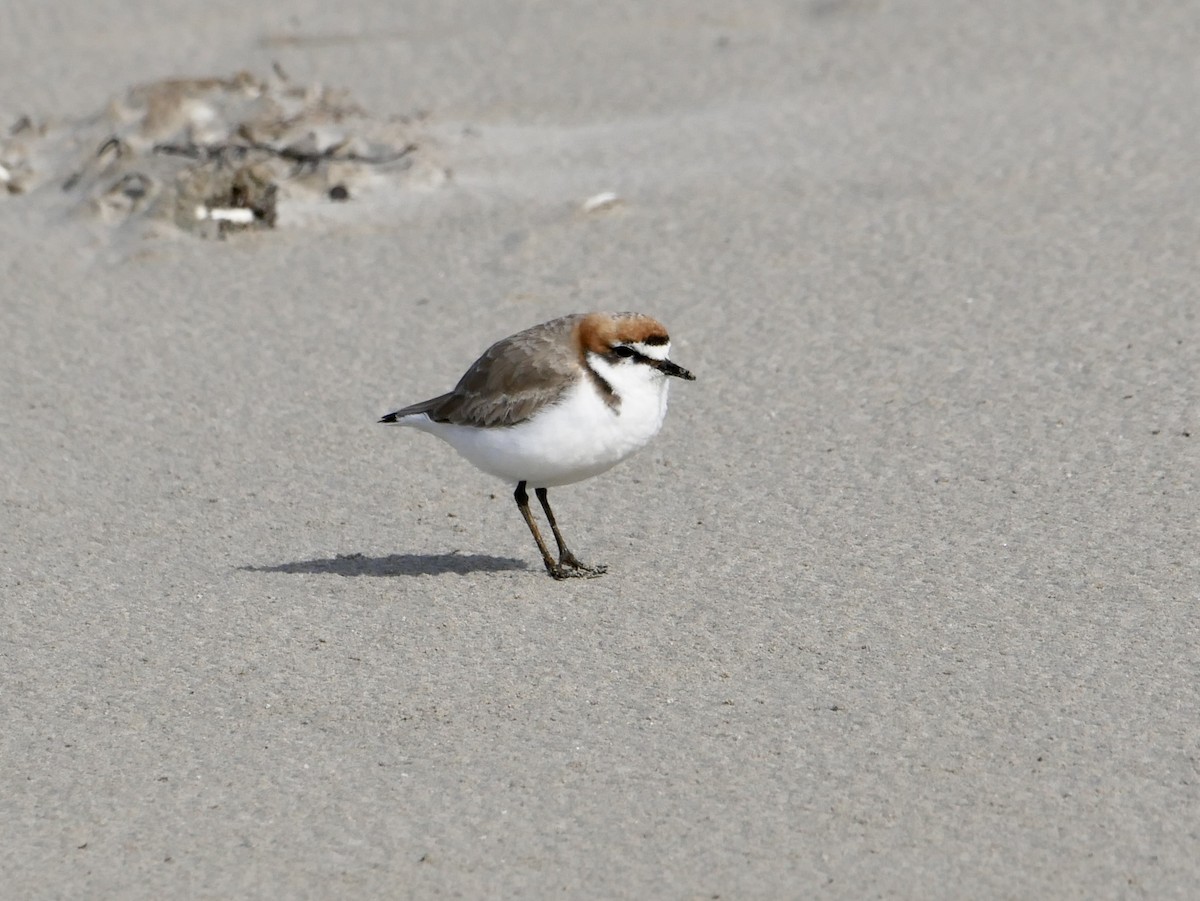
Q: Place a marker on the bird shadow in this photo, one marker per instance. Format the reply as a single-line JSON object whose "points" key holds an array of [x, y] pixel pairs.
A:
{"points": [[394, 565]]}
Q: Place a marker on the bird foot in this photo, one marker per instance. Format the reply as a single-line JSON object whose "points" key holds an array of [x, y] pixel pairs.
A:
{"points": [[570, 567]]}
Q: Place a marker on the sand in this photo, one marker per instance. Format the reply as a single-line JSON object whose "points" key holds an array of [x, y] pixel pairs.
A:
{"points": [[901, 603]]}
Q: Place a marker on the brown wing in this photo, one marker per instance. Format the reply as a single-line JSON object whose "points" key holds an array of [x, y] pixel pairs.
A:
{"points": [[513, 379]]}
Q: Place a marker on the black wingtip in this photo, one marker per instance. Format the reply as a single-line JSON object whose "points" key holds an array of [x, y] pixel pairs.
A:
{"points": [[391, 417]]}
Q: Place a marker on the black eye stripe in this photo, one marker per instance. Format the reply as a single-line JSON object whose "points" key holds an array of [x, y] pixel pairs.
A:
{"points": [[632, 353], [624, 351]]}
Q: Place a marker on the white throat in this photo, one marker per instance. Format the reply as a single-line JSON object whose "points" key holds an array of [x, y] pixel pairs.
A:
{"points": [[641, 390]]}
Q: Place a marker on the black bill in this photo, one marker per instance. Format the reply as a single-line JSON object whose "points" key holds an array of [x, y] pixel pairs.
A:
{"points": [[666, 367]]}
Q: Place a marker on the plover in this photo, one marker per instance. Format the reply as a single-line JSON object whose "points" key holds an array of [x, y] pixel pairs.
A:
{"points": [[556, 404]]}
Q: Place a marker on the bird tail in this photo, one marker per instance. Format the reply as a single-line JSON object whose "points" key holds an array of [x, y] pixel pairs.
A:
{"points": [[424, 406]]}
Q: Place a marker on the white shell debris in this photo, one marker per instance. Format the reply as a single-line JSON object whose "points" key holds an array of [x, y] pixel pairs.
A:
{"points": [[238, 215], [603, 201]]}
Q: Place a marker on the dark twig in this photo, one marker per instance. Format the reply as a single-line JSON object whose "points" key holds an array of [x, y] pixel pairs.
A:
{"points": [[225, 151]]}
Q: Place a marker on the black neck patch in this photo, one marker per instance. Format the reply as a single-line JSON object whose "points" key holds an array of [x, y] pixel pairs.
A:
{"points": [[602, 385]]}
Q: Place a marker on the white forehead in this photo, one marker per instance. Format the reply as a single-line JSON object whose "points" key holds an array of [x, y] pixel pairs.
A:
{"points": [[653, 351]]}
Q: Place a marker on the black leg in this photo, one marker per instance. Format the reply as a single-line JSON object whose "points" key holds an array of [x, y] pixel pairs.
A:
{"points": [[565, 557], [522, 500]]}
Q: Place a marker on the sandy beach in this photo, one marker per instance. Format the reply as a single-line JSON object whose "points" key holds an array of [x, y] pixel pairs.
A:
{"points": [[901, 603]]}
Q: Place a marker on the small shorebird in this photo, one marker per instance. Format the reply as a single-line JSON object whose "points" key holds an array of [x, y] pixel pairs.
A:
{"points": [[556, 404]]}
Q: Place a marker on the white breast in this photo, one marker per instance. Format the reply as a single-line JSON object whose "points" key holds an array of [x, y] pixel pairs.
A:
{"points": [[579, 437]]}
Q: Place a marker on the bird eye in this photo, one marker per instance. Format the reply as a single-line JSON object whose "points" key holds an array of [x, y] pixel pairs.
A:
{"points": [[622, 350]]}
